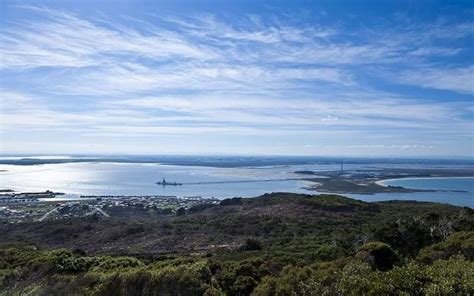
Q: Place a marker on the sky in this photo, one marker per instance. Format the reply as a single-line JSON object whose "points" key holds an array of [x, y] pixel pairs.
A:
{"points": [[334, 78]]}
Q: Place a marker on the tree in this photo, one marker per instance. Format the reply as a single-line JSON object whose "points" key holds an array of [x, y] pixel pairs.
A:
{"points": [[379, 255], [252, 244], [180, 211]]}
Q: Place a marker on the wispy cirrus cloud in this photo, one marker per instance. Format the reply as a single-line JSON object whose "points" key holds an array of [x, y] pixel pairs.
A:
{"points": [[455, 79], [61, 39], [204, 75], [239, 115], [128, 78]]}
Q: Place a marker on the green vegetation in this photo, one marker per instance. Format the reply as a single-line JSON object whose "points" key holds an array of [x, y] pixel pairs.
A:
{"points": [[278, 244]]}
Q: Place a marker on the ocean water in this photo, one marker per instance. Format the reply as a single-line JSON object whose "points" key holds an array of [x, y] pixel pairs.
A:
{"points": [[449, 191], [108, 178]]}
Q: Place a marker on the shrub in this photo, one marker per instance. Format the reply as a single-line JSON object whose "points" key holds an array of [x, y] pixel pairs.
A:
{"points": [[458, 243], [291, 281], [407, 237], [185, 279], [454, 276], [200, 207], [108, 264], [231, 201], [180, 211], [379, 255], [244, 285], [445, 277], [327, 253], [251, 244]]}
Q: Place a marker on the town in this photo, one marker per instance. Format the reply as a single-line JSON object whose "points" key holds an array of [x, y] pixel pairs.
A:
{"points": [[30, 207]]}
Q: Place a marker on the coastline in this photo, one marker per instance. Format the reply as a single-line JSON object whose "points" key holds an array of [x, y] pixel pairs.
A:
{"points": [[382, 182]]}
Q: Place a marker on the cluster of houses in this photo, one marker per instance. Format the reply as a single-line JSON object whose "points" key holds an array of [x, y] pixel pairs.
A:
{"points": [[33, 209]]}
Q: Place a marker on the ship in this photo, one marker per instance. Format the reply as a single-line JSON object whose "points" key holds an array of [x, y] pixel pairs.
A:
{"points": [[165, 183]]}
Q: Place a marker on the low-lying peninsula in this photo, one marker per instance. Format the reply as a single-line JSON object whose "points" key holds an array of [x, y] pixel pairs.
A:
{"points": [[368, 181]]}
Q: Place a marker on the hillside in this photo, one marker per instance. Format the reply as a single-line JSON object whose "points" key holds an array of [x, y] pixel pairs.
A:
{"points": [[269, 245]]}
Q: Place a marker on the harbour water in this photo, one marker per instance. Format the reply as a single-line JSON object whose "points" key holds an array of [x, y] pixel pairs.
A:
{"points": [[107, 178], [455, 191], [447, 183], [97, 178]]}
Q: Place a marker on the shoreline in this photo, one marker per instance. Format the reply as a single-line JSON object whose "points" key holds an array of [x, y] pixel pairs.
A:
{"points": [[382, 182]]}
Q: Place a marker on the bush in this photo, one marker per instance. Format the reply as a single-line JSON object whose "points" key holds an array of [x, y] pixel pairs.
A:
{"points": [[445, 277], [180, 211], [211, 291], [185, 279], [252, 244], [200, 207], [291, 281], [407, 237], [458, 243], [378, 255], [244, 285], [451, 277], [231, 201], [327, 253], [109, 264]]}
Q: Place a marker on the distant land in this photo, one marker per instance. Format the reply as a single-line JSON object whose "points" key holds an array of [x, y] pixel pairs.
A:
{"points": [[227, 161], [369, 181]]}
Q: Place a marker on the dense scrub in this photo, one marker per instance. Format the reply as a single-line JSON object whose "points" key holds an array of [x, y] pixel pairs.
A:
{"points": [[279, 244]]}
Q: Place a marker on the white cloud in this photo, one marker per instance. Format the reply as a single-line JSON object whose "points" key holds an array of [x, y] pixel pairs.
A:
{"points": [[435, 51], [61, 39], [243, 115], [64, 40], [454, 79], [132, 78], [199, 76]]}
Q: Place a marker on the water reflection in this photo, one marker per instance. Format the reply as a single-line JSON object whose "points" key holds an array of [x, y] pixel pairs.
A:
{"points": [[139, 179]]}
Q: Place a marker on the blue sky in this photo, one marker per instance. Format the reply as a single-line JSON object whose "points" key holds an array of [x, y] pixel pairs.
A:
{"points": [[343, 78]]}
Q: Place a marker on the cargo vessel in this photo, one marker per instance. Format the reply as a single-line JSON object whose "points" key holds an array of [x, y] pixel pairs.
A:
{"points": [[165, 183]]}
